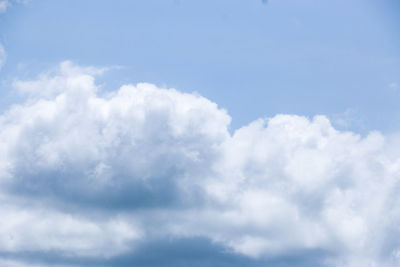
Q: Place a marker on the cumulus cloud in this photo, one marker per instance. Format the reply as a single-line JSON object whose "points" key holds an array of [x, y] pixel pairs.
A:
{"points": [[93, 178]]}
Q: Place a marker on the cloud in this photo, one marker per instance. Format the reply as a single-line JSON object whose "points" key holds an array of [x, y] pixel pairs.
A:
{"points": [[140, 139], [349, 119], [93, 178]]}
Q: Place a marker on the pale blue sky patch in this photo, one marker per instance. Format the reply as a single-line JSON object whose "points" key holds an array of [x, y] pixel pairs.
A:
{"points": [[3, 56], [303, 57]]}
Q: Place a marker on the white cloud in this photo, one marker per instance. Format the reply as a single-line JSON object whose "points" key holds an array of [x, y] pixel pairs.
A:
{"points": [[301, 184], [43, 230], [87, 169]]}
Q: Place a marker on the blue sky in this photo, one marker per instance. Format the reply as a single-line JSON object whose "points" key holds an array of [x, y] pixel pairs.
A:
{"points": [[253, 59], [219, 133]]}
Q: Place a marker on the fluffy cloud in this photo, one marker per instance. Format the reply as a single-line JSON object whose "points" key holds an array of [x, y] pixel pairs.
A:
{"points": [[154, 142], [93, 178]]}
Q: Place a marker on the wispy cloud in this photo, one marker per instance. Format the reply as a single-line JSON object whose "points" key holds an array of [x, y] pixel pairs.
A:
{"points": [[393, 85], [4, 5]]}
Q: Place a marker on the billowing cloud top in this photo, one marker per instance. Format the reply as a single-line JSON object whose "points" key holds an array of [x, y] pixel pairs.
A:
{"points": [[146, 176]]}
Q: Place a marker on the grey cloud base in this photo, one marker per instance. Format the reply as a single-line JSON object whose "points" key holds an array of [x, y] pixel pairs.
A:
{"points": [[146, 176], [172, 252]]}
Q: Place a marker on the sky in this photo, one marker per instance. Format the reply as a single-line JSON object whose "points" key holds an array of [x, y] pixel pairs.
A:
{"points": [[199, 133]]}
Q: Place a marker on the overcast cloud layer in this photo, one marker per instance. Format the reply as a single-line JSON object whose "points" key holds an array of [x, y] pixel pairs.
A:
{"points": [[146, 176]]}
